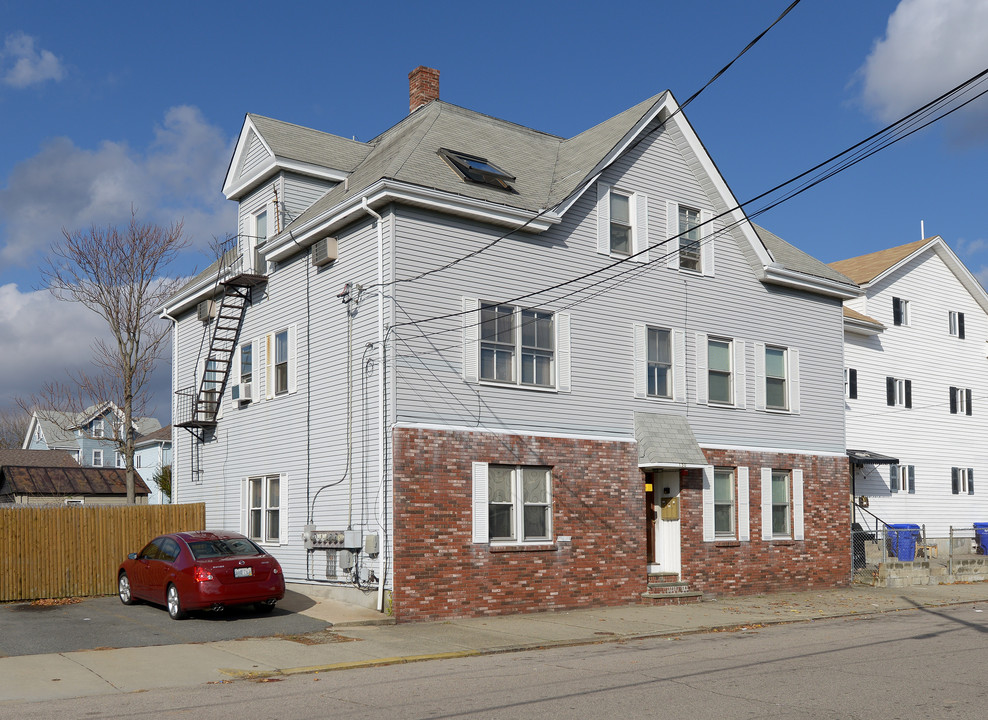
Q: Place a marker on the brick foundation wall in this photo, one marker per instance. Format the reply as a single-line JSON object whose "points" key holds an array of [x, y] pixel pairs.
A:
{"points": [[439, 572], [822, 559]]}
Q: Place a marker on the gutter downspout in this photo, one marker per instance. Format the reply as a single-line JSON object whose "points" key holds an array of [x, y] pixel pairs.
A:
{"points": [[380, 399], [161, 457]]}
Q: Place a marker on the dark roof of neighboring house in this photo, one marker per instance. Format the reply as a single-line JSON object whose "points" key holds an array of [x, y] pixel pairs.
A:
{"points": [[37, 458], [57, 481]]}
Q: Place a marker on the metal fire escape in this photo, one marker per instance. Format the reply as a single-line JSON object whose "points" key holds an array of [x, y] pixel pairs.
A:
{"points": [[198, 406]]}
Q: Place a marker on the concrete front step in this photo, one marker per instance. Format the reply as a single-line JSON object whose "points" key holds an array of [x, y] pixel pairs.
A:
{"points": [[668, 589]]}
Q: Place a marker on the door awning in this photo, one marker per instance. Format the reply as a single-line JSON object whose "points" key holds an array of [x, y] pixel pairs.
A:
{"points": [[666, 441], [867, 457]]}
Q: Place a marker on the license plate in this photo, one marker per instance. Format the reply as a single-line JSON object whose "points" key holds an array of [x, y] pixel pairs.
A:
{"points": [[243, 572]]}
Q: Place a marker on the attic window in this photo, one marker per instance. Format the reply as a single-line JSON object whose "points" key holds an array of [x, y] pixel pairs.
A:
{"points": [[476, 169]]}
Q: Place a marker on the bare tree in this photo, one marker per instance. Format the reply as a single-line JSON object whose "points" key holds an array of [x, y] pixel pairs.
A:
{"points": [[13, 428], [118, 273]]}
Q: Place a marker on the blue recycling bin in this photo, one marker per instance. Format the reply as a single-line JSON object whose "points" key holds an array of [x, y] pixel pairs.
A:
{"points": [[981, 534], [903, 538]]}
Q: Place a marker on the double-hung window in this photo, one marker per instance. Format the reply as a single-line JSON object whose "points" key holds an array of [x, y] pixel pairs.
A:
{"points": [[120, 459], [97, 458], [851, 383], [659, 363], [720, 375], [955, 324], [621, 227], [264, 495], [724, 502], [517, 345], [782, 504], [280, 368], [902, 478], [962, 481], [900, 311], [689, 239], [898, 392], [726, 512], [622, 223], [99, 429], [960, 401], [512, 504], [776, 387]]}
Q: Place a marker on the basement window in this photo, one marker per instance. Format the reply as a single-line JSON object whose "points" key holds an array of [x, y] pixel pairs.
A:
{"points": [[476, 169]]}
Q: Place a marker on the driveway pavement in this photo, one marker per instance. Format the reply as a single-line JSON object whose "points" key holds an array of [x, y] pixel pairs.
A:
{"points": [[27, 629]]}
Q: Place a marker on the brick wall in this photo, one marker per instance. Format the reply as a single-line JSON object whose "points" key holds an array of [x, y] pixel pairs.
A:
{"points": [[439, 572], [598, 499], [822, 559]]}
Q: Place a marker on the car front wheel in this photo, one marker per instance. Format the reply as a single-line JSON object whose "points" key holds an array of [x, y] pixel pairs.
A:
{"points": [[123, 589], [175, 610]]}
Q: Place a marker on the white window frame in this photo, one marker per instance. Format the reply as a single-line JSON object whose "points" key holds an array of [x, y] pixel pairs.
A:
{"points": [[738, 369], [795, 504], [791, 379], [265, 509], [961, 401], [98, 453], [99, 429], [473, 347], [900, 307], [482, 505], [270, 342], [137, 460], [119, 457], [741, 511], [677, 374], [729, 372], [638, 216], [673, 249], [902, 479], [850, 383], [955, 324], [962, 481]]}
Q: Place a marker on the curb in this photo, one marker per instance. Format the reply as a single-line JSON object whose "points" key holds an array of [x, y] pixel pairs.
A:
{"points": [[406, 659]]}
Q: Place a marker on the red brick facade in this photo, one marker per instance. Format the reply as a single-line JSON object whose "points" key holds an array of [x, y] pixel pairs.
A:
{"points": [[822, 559], [439, 571], [598, 500]]}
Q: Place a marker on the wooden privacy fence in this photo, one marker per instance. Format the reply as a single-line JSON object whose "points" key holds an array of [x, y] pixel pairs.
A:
{"points": [[74, 551]]}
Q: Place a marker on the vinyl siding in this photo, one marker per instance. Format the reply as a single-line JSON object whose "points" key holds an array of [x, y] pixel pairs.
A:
{"points": [[256, 154], [926, 436], [301, 436], [732, 303]]}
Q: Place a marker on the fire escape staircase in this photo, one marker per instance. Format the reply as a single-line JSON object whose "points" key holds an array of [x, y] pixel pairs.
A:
{"points": [[199, 406]]}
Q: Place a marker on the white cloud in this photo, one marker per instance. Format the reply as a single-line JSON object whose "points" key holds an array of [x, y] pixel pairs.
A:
{"points": [[22, 65], [46, 340], [64, 186], [930, 46]]}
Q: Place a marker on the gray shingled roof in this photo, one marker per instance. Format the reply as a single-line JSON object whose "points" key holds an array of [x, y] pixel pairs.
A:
{"points": [[37, 458], [162, 435], [54, 422], [666, 440], [795, 259], [294, 142]]}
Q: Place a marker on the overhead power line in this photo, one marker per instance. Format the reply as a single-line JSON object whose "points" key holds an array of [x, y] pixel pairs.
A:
{"points": [[913, 122]]}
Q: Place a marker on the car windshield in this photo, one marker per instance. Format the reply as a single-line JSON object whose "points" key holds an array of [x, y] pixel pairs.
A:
{"points": [[221, 548]]}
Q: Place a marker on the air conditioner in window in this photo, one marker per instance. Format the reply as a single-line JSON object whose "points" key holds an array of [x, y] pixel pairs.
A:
{"points": [[242, 392], [206, 310], [324, 252]]}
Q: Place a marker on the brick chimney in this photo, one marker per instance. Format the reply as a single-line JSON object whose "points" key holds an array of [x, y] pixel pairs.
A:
{"points": [[423, 87]]}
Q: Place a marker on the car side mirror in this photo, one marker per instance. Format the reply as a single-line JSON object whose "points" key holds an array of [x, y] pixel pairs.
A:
{"points": [[132, 556]]}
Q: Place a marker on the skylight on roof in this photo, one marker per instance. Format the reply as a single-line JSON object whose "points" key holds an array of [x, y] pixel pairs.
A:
{"points": [[476, 169]]}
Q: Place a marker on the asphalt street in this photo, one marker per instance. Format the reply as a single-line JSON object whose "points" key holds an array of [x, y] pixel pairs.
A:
{"points": [[27, 629], [921, 664]]}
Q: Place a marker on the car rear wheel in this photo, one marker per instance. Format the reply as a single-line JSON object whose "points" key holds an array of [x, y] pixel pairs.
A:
{"points": [[123, 589], [175, 610], [265, 607]]}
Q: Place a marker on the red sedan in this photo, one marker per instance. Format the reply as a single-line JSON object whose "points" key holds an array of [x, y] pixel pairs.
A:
{"points": [[201, 571]]}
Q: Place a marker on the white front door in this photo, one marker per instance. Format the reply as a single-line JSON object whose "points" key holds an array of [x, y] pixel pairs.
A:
{"points": [[667, 539]]}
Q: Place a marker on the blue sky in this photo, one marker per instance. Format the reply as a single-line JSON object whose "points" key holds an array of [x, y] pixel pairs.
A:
{"points": [[107, 104]]}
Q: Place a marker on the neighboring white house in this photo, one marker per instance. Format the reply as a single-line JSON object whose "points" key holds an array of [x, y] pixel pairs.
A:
{"points": [[152, 452], [384, 360], [916, 378]]}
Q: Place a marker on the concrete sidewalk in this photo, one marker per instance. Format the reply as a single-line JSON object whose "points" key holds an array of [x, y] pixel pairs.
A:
{"points": [[351, 643]]}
